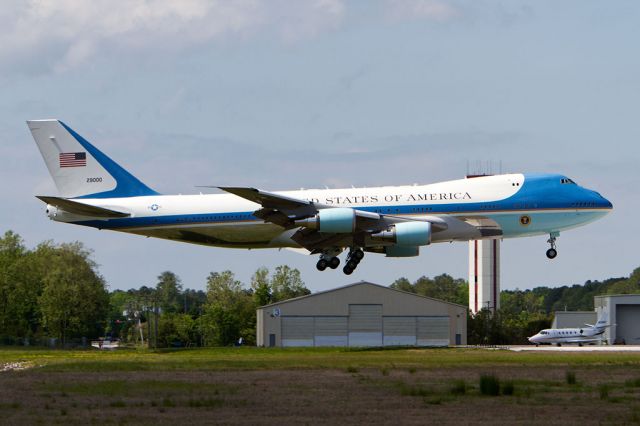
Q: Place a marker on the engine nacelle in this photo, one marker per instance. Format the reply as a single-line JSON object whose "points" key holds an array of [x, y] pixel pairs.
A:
{"points": [[406, 234], [336, 221]]}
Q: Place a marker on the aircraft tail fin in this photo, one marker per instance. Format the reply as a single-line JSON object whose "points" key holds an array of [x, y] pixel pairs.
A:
{"points": [[79, 169], [602, 321]]}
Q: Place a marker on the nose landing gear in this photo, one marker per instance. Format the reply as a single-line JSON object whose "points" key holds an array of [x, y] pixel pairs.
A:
{"points": [[552, 252]]}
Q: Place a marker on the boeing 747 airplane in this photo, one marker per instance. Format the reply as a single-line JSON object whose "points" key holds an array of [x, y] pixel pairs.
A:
{"points": [[393, 220]]}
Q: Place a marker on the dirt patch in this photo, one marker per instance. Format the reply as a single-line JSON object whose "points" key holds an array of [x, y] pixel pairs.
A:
{"points": [[353, 395]]}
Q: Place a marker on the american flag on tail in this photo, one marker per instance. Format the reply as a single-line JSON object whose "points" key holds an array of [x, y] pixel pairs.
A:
{"points": [[73, 159]]}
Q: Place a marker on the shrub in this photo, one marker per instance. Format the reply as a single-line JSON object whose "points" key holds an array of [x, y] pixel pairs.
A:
{"points": [[489, 385], [604, 391], [570, 376], [508, 388], [632, 383], [459, 387]]}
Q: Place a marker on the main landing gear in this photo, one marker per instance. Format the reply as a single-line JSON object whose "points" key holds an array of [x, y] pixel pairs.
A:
{"points": [[552, 252], [328, 260], [353, 260]]}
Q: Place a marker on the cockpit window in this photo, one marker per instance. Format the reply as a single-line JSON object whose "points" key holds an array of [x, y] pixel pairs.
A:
{"points": [[567, 181]]}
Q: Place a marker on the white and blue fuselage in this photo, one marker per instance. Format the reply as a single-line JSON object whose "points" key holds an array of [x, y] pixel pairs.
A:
{"points": [[517, 204], [393, 220]]}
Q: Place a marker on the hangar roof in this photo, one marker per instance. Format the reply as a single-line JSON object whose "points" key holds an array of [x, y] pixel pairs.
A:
{"points": [[359, 284]]}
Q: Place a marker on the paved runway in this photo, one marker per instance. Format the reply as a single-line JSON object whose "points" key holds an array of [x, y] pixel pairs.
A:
{"points": [[576, 348]]}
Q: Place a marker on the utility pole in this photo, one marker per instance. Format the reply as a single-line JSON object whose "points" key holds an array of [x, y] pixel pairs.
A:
{"points": [[155, 341], [148, 327]]}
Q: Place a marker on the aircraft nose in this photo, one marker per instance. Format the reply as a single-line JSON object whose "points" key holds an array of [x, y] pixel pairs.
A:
{"points": [[602, 202], [598, 200], [606, 203]]}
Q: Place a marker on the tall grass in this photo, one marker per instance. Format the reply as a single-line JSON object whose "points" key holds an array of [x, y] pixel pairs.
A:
{"points": [[489, 385]]}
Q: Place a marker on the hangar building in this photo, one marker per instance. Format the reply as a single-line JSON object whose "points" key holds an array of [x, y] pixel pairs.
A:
{"points": [[362, 314], [573, 319], [623, 311], [620, 310]]}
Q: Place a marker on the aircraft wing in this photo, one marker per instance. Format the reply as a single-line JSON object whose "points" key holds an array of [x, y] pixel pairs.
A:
{"points": [[267, 199], [82, 209], [285, 211]]}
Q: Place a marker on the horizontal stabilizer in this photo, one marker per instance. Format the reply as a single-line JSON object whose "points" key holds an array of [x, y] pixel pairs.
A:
{"points": [[82, 209]]}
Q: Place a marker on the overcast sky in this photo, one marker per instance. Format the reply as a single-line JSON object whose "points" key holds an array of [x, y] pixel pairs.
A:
{"points": [[287, 94]]}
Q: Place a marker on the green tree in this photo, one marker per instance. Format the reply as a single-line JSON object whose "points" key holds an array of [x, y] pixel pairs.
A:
{"points": [[194, 301], [177, 330], [630, 285], [20, 287], [168, 292], [286, 283], [443, 287], [229, 313], [74, 301], [261, 287], [403, 284], [120, 317]]}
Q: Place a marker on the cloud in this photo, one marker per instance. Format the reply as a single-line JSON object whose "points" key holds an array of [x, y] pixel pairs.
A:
{"points": [[435, 10], [64, 34]]}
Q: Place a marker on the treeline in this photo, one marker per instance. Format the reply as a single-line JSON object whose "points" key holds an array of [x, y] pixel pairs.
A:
{"points": [[55, 292], [522, 313], [169, 315]]}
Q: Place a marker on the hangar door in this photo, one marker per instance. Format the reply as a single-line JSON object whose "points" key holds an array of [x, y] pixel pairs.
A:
{"points": [[628, 323], [297, 331], [330, 331], [314, 331], [365, 325], [433, 331], [399, 331]]}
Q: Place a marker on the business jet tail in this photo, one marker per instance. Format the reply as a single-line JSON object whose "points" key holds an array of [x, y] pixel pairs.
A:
{"points": [[79, 169]]}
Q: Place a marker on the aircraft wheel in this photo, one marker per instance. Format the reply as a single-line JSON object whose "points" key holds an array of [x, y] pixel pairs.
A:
{"points": [[322, 264], [552, 253], [334, 262], [352, 264], [347, 270], [358, 255]]}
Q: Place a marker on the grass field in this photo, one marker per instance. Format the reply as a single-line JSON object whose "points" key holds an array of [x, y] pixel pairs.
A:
{"points": [[318, 386]]}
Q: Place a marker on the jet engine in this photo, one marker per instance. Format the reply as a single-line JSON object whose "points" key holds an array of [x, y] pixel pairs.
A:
{"points": [[340, 220], [406, 234]]}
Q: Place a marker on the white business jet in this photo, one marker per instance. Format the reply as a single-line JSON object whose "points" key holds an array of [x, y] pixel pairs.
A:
{"points": [[589, 334]]}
